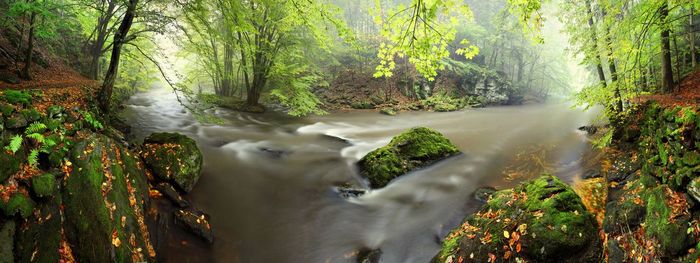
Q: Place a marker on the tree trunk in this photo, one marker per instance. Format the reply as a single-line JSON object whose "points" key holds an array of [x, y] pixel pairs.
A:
{"points": [[26, 74], [666, 66], [599, 63], [105, 94], [693, 53], [99, 45]]}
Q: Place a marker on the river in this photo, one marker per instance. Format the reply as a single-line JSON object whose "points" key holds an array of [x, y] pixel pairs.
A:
{"points": [[268, 179]]}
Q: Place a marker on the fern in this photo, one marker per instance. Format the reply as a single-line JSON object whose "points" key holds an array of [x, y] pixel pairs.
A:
{"points": [[37, 137], [15, 144], [33, 158], [36, 127]]}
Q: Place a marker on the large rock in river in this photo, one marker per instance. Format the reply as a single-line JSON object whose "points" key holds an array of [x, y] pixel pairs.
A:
{"points": [[173, 158], [413, 149], [542, 220], [104, 199]]}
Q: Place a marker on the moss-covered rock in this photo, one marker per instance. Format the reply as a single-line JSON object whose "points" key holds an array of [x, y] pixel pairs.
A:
{"points": [[15, 121], [626, 209], [174, 158], [388, 111], [7, 238], [542, 220], [39, 237], [413, 149], [19, 204], [104, 198], [44, 185], [10, 163], [31, 115], [662, 224]]}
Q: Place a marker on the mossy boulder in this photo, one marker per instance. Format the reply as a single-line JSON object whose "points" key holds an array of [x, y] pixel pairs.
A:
{"points": [[39, 237], [7, 238], [626, 208], [542, 220], [10, 163], [104, 198], [173, 158], [44, 185], [667, 220], [16, 121], [31, 115], [19, 204], [413, 149]]}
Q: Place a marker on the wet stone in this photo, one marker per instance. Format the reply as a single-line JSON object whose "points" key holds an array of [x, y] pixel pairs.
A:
{"points": [[367, 255], [169, 192], [196, 222]]}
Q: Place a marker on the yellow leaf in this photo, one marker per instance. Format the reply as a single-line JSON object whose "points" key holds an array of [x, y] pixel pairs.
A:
{"points": [[506, 234]]}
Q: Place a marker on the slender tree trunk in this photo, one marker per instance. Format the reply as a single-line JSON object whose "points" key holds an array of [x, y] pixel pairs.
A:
{"points": [[105, 94], [666, 66], [693, 53], [26, 74], [100, 40], [599, 63]]}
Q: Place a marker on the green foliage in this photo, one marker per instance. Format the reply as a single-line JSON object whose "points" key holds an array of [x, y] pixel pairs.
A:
{"points": [[421, 32], [94, 122], [15, 143]]}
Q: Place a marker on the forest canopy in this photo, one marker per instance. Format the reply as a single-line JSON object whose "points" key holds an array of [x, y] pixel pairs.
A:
{"points": [[439, 54]]}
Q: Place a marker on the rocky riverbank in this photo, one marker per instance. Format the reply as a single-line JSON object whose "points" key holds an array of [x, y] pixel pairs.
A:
{"points": [[73, 189]]}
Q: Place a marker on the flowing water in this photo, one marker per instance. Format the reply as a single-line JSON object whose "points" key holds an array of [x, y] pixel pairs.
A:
{"points": [[268, 179]]}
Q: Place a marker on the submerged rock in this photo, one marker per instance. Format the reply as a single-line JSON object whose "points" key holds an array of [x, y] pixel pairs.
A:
{"points": [[196, 222], [542, 220], [173, 158], [590, 129], [367, 255], [169, 192], [388, 111], [348, 192], [484, 193], [104, 198], [413, 149]]}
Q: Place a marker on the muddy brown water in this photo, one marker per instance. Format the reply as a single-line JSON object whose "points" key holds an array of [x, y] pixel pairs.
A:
{"points": [[268, 179]]}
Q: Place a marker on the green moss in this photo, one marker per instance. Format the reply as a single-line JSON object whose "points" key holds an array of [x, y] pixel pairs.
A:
{"points": [[44, 185], [672, 236], [444, 103], [19, 204], [413, 149], [17, 97]]}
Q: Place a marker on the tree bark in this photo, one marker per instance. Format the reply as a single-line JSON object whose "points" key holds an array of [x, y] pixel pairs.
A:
{"points": [[666, 66], [98, 46], [105, 93], [26, 74]]}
